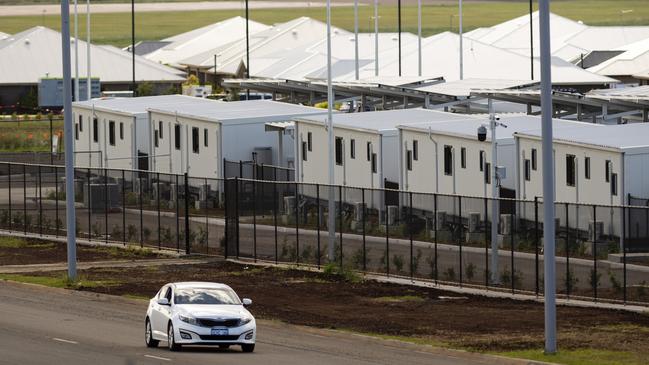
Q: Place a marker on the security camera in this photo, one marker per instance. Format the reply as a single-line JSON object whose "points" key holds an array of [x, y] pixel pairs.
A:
{"points": [[497, 117], [482, 133]]}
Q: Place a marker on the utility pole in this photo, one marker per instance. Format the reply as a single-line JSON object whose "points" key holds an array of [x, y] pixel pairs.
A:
{"points": [[68, 127], [76, 53], [399, 30], [376, 37], [495, 194], [419, 35], [531, 43], [549, 259], [330, 136], [461, 49], [133, 47], [88, 74], [356, 38], [247, 52]]}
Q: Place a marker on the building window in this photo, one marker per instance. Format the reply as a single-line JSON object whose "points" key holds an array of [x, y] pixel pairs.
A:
{"points": [[369, 151], [305, 148], [155, 139], [614, 184], [111, 132], [409, 156], [309, 139], [448, 160], [527, 170], [339, 151], [195, 140], [415, 150], [571, 166], [607, 170], [177, 136], [81, 123], [481, 160], [587, 168], [487, 173], [373, 163], [463, 157], [160, 129], [205, 137], [352, 148], [95, 130], [76, 131], [534, 159]]}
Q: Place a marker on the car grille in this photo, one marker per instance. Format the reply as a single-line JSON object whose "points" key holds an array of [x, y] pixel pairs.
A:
{"points": [[219, 338], [209, 322]]}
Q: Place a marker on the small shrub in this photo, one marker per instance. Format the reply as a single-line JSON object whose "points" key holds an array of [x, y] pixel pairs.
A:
{"points": [[470, 271], [116, 232], [167, 237], [570, 281], [146, 232], [615, 283], [642, 290], [594, 278], [131, 232], [28, 221], [357, 258], [4, 218], [449, 274], [288, 252], [430, 260], [415, 261], [307, 253], [341, 273], [397, 260], [96, 229]]}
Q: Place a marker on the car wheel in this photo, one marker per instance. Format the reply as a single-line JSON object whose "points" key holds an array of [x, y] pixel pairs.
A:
{"points": [[148, 335], [248, 347], [173, 346]]}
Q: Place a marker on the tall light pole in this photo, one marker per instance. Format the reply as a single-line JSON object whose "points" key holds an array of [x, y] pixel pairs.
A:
{"points": [[69, 158], [88, 74], [419, 35], [376, 37], [76, 52], [532, 43], [356, 38], [330, 136], [399, 31], [549, 259], [133, 47], [495, 194], [247, 51], [461, 50]]}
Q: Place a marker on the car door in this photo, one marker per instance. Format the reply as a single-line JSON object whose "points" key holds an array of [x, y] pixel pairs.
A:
{"points": [[158, 313]]}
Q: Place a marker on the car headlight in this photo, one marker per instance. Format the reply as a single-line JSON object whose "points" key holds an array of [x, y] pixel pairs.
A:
{"points": [[188, 319], [244, 321]]}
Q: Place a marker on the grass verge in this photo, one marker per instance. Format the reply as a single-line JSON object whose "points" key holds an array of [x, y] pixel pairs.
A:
{"points": [[59, 281], [579, 357]]}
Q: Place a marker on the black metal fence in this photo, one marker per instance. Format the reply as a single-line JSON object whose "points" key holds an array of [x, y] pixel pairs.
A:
{"points": [[441, 238], [255, 171]]}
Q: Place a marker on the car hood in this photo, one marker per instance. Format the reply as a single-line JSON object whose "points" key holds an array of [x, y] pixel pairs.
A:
{"points": [[212, 310]]}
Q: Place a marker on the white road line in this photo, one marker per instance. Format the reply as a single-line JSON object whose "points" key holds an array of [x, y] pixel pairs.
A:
{"points": [[157, 357], [64, 340]]}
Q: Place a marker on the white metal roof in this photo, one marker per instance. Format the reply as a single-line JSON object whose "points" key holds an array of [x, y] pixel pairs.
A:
{"points": [[235, 111], [634, 60], [642, 74], [35, 53], [623, 93], [4, 35], [139, 105], [386, 121], [622, 136], [462, 88], [515, 123], [204, 39]]}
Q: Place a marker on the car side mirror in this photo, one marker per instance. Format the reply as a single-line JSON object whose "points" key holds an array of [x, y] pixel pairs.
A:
{"points": [[246, 302], [163, 301]]}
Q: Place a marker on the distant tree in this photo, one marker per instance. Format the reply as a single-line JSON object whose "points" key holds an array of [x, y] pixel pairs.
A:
{"points": [[145, 89]]}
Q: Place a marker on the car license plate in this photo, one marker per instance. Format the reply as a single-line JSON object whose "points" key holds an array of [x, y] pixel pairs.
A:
{"points": [[219, 331]]}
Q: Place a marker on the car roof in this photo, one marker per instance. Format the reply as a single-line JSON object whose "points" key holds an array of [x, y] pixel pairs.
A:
{"points": [[199, 284]]}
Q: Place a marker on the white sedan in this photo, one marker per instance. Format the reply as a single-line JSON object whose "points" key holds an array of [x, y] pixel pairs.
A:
{"points": [[198, 313]]}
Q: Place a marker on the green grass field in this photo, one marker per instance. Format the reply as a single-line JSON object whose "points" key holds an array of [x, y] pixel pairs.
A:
{"points": [[115, 28], [27, 136]]}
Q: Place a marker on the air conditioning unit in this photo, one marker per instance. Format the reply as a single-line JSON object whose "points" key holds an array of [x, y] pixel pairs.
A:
{"points": [[506, 224], [393, 214], [359, 211], [474, 222], [289, 205], [595, 230]]}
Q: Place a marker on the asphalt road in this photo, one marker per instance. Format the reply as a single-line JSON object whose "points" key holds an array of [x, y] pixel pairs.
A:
{"points": [[41, 325]]}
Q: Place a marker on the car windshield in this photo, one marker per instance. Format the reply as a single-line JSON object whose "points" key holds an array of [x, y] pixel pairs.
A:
{"points": [[206, 296]]}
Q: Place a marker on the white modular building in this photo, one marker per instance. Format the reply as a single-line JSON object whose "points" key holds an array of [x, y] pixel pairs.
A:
{"points": [[366, 146], [196, 139], [113, 132], [448, 158], [601, 165]]}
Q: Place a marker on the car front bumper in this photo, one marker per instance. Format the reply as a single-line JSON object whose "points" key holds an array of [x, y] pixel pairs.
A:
{"points": [[187, 334]]}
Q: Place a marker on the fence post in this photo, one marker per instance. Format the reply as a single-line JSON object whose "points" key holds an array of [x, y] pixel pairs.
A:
{"points": [[140, 199], [511, 244], [89, 206], [275, 201], [158, 206], [177, 204], [410, 229], [254, 220], [9, 179], [536, 245], [364, 234], [459, 235], [240, 169], [236, 209], [187, 228], [624, 243], [25, 199], [387, 234], [486, 241], [124, 206], [40, 201], [340, 220], [568, 276], [435, 230], [297, 225], [594, 277], [317, 193], [106, 202]]}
